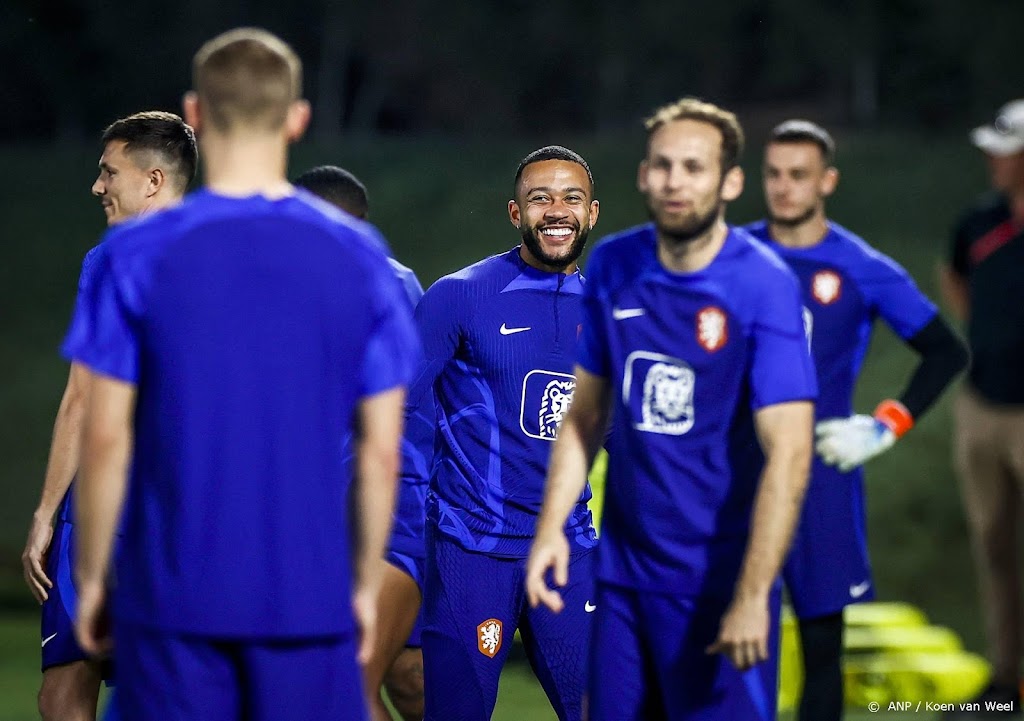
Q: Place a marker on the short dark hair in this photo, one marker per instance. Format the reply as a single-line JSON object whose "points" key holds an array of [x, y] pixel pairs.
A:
{"points": [[690, 108], [166, 135], [552, 152], [804, 131], [337, 186]]}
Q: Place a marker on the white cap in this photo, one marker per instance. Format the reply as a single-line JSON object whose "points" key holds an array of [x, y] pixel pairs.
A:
{"points": [[1005, 136]]}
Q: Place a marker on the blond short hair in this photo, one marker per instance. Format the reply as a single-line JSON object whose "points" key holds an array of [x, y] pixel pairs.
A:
{"points": [[246, 79], [695, 109]]}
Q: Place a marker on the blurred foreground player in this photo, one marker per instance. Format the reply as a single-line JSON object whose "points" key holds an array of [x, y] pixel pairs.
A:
{"points": [[846, 285], [499, 339], [693, 345], [396, 661], [234, 339], [148, 160]]}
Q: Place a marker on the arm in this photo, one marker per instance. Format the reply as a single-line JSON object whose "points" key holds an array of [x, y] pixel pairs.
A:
{"points": [[954, 289], [377, 462], [580, 436], [106, 450], [65, 447], [784, 431]]}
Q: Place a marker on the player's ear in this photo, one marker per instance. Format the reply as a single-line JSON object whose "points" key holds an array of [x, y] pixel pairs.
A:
{"points": [[641, 176], [157, 180], [297, 120], [732, 184], [190, 110], [595, 210], [514, 215], [829, 181]]}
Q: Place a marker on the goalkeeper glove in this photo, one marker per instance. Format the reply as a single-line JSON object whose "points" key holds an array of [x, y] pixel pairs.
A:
{"points": [[850, 442]]}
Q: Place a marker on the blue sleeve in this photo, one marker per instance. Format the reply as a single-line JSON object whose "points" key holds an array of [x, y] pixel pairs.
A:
{"points": [[437, 321], [592, 352], [892, 294], [103, 332], [782, 369], [393, 348], [411, 284]]}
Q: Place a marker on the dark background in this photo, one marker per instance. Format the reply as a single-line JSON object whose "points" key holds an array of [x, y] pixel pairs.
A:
{"points": [[434, 104]]}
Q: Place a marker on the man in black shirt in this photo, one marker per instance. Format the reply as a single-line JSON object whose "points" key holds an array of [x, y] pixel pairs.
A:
{"points": [[982, 284]]}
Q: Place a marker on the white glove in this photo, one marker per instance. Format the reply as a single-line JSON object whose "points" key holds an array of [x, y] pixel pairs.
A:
{"points": [[849, 442]]}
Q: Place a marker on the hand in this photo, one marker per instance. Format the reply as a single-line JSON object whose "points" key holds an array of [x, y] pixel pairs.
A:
{"points": [[849, 442], [33, 558], [743, 633], [549, 551], [92, 624], [364, 607]]}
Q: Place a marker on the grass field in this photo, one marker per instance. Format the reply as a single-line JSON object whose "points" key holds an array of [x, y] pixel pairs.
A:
{"points": [[519, 699], [442, 205]]}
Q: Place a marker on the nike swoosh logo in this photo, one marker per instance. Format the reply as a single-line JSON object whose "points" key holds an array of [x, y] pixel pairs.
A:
{"points": [[589, 607], [48, 639], [509, 331], [624, 313], [860, 589]]}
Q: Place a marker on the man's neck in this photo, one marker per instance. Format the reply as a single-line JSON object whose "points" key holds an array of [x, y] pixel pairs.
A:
{"points": [[804, 235], [695, 254], [244, 165]]}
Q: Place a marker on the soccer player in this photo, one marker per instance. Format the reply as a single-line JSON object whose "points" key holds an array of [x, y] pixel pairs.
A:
{"points": [[234, 339], [846, 285], [693, 346], [396, 661], [499, 339], [147, 162]]}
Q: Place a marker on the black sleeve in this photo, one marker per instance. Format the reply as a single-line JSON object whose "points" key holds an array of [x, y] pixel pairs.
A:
{"points": [[943, 356]]}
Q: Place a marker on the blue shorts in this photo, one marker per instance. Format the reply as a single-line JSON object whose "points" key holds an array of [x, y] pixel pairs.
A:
{"points": [[828, 567], [169, 677], [473, 606], [57, 628], [648, 660], [413, 567]]}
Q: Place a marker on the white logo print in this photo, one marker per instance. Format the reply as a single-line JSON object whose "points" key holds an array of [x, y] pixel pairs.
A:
{"points": [[546, 399], [589, 607], [808, 325], [47, 640], [666, 394], [509, 331], [860, 589], [553, 406], [626, 313]]}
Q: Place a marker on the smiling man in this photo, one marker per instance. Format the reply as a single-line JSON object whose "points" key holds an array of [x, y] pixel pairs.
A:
{"points": [[148, 160], [500, 338]]}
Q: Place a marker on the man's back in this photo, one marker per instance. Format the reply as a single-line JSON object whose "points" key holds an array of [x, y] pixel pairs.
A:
{"points": [[252, 328]]}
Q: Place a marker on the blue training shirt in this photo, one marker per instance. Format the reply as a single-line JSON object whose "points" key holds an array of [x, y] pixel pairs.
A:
{"points": [[251, 328], [846, 285], [499, 340], [690, 357]]}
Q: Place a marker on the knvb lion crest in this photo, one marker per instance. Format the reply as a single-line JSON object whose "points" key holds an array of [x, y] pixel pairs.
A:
{"points": [[712, 328], [546, 399], [489, 637], [826, 287]]}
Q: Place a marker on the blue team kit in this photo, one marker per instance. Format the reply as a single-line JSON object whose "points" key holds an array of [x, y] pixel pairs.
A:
{"points": [[690, 357], [846, 285], [206, 560], [499, 342]]}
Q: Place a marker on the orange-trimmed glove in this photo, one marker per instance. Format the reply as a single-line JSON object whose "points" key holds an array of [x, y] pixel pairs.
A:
{"points": [[850, 442]]}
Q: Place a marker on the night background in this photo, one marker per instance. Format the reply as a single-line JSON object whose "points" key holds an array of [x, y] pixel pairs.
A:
{"points": [[432, 105]]}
